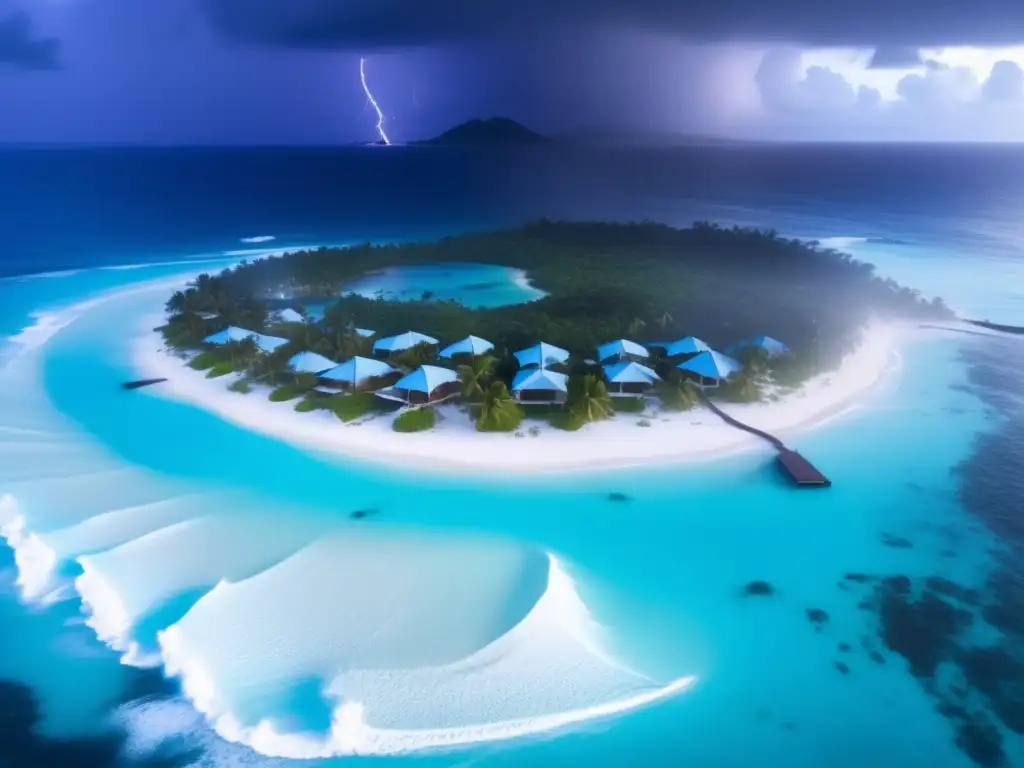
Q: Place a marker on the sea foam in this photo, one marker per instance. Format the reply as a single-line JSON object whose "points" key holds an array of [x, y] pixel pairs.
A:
{"points": [[393, 645]]}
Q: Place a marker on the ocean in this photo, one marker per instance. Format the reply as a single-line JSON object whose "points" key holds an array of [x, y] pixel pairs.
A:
{"points": [[177, 562]]}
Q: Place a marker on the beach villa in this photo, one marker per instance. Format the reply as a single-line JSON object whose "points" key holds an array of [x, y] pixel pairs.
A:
{"points": [[289, 315], [471, 345], [310, 362], [541, 355], [427, 385], [773, 347], [366, 333], [539, 385], [232, 333], [629, 379], [622, 349], [355, 373], [689, 345], [394, 344], [710, 368]]}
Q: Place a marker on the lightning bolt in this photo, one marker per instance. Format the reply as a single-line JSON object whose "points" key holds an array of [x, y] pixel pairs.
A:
{"points": [[373, 103]]}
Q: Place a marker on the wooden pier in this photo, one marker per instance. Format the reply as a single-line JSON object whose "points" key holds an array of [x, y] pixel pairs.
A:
{"points": [[792, 463]]}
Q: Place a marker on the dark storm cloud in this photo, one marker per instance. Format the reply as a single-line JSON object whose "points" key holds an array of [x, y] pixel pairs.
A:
{"points": [[381, 23], [895, 57], [21, 47]]}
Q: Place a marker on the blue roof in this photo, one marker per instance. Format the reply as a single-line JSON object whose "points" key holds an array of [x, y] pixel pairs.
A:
{"points": [[310, 362], [426, 379], [471, 345], [772, 346], [621, 348], [541, 354], [690, 345], [357, 370], [402, 341], [540, 378], [711, 365], [365, 332], [289, 315], [233, 333], [630, 373]]}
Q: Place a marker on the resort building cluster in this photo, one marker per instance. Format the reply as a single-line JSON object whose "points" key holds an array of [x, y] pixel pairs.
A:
{"points": [[537, 381]]}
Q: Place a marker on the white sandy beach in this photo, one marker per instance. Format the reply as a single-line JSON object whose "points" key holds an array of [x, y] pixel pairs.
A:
{"points": [[454, 443]]}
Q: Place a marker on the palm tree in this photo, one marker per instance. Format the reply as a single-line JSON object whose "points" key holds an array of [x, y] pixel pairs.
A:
{"points": [[665, 320], [498, 411], [679, 394], [636, 325], [474, 377], [589, 398], [178, 303]]}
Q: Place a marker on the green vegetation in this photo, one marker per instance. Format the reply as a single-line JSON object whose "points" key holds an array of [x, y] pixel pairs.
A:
{"points": [[741, 387], [629, 404], [221, 369], [498, 412], [418, 420], [204, 361], [351, 407], [285, 392], [475, 376], [589, 399], [241, 386], [309, 403], [678, 394], [567, 420]]}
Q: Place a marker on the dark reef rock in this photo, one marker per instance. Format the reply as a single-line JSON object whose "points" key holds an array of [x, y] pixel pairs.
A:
{"points": [[896, 585], [843, 668], [981, 742], [1000, 677], [859, 578], [619, 497], [845, 647], [817, 617], [758, 589], [923, 630], [896, 542], [947, 588], [359, 514], [876, 657]]}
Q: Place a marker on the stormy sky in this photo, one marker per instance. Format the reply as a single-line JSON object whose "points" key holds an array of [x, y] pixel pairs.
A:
{"points": [[275, 72]]}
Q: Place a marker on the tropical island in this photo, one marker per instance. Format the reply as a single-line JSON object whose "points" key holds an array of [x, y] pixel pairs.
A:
{"points": [[638, 326], [489, 131]]}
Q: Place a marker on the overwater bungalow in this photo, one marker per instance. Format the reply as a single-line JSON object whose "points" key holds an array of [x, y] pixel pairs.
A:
{"points": [[289, 315], [471, 345], [541, 355], [394, 344], [356, 374], [539, 385], [688, 345], [427, 385], [629, 379], [622, 349], [710, 368], [310, 362], [233, 333]]}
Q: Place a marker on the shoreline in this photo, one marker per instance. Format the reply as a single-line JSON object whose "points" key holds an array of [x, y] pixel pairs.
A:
{"points": [[454, 445]]}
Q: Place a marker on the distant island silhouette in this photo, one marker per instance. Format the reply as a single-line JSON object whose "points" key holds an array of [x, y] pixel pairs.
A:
{"points": [[494, 130]]}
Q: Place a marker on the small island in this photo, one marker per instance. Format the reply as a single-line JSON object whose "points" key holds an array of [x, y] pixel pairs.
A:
{"points": [[490, 131], [636, 327]]}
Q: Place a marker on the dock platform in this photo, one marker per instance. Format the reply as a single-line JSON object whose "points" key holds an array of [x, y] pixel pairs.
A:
{"points": [[792, 463], [800, 469]]}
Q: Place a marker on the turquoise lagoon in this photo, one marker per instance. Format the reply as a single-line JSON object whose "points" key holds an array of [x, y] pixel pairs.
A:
{"points": [[168, 517], [475, 285]]}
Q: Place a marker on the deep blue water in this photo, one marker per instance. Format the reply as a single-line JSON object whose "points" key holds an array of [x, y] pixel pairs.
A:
{"points": [[928, 472]]}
